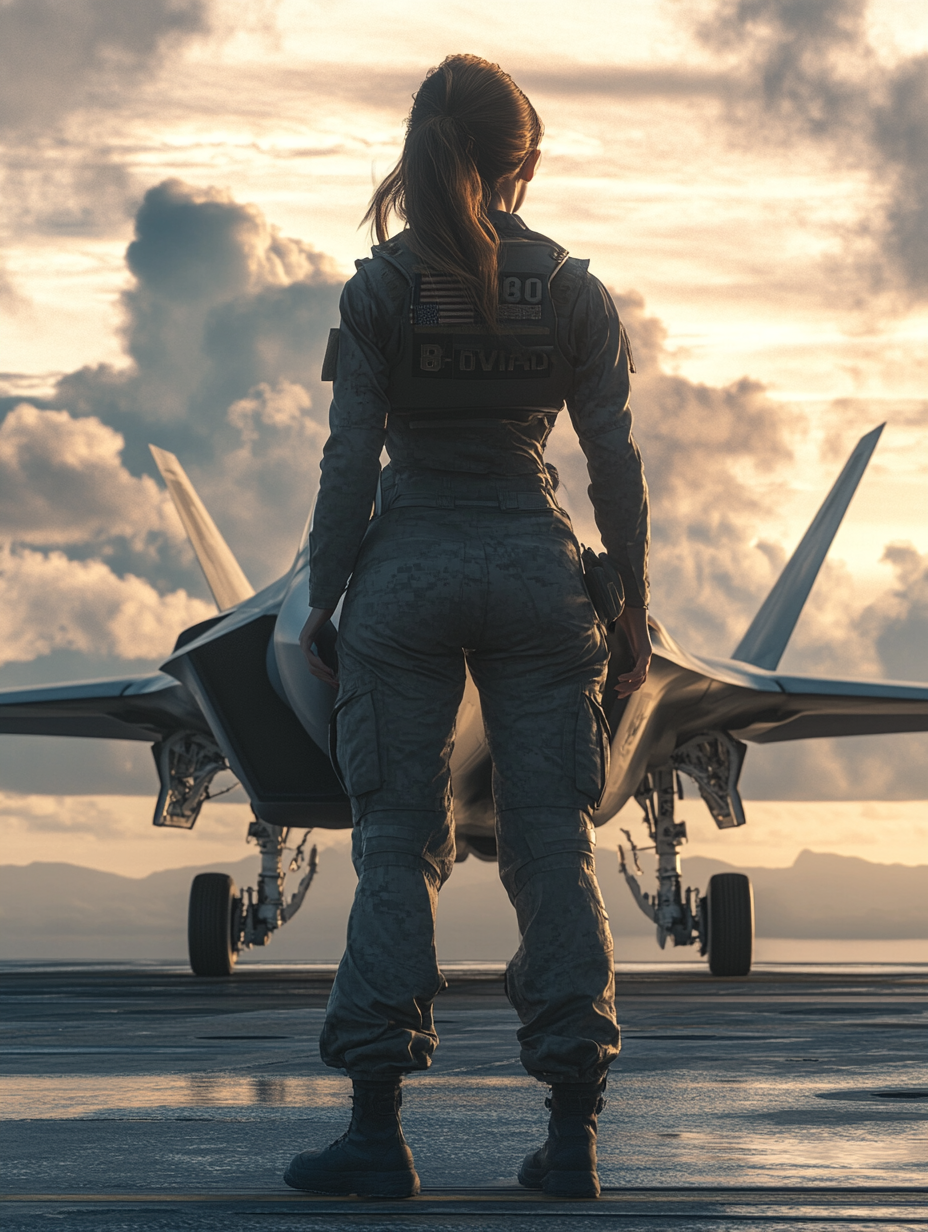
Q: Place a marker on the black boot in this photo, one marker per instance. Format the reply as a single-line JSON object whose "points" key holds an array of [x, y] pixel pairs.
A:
{"points": [[565, 1167], [371, 1159]]}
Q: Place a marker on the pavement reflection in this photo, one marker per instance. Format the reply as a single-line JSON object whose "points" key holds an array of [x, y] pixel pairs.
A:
{"points": [[790, 1078]]}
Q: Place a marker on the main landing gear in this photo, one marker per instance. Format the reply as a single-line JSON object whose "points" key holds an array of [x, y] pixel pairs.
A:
{"points": [[721, 921], [221, 922]]}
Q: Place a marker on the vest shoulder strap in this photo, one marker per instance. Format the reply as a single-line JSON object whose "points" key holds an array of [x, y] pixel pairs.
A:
{"points": [[544, 255]]}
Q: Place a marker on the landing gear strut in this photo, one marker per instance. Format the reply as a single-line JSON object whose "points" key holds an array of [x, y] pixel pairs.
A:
{"points": [[221, 923], [721, 922]]}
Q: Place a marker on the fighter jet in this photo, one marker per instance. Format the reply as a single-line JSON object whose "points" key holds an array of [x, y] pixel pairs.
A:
{"points": [[236, 694]]}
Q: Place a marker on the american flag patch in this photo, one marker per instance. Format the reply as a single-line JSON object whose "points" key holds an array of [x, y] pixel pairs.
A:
{"points": [[440, 300]]}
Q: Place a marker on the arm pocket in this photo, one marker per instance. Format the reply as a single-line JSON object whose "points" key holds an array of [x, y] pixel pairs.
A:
{"points": [[591, 748], [354, 747]]}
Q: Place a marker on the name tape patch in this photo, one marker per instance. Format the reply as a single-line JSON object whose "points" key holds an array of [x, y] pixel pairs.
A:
{"points": [[448, 358]]}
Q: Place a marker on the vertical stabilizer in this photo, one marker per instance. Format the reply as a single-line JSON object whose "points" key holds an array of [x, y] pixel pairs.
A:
{"points": [[223, 573], [764, 642]]}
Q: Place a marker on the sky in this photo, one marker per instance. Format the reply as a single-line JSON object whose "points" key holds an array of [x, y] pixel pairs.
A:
{"points": [[182, 182]]}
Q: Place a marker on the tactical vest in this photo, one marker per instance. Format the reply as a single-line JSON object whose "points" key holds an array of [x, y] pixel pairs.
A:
{"points": [[451, 367]]}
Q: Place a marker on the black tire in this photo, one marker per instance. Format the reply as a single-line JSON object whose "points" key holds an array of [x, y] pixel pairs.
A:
{"points": [[730, 924], [209, 924]]}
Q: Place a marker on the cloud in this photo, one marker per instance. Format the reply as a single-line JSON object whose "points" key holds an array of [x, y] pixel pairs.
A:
{"points": [[898, 622], [48, 601], [717, 461], [11, 299], [69, 190], [807, 70], [625, 82], [62, 481], [65, 64], [703, 446], [225, 326], [58, 55], [82, 605], [852, 768]]}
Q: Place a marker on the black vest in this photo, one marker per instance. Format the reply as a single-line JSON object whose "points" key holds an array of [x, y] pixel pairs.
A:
{"points": [[450, 366]]}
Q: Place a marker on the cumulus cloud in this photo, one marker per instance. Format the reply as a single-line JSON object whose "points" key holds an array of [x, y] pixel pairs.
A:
{"points": [[63, 484], [48, 602], [806, 69], [225, 326], [62, 481]]}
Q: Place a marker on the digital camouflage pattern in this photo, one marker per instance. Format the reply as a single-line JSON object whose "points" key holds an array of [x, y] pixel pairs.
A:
{"points": [[471, 565], [502, 591]]}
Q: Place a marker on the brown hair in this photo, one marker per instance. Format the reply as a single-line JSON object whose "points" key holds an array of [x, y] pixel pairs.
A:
{"points": [[470, 127]]}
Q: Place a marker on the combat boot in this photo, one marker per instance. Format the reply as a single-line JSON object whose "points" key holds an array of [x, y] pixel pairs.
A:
{"points": [[370, 1159], [565, 1167]]}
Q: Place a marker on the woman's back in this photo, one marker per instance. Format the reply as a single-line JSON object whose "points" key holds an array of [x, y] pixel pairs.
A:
{"points": [[469, 569]]}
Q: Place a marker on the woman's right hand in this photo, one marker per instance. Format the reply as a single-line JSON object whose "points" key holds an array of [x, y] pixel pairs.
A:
{"points": [[634, 622], [318, 616]]}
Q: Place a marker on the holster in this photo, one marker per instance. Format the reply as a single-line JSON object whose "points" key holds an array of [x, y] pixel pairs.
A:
{"points": [[603, 584]]}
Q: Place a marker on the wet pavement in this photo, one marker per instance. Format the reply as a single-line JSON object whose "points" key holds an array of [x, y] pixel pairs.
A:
{"points": [[138, 1097]]}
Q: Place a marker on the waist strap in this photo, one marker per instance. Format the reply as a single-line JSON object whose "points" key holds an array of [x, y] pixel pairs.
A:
{"points": [[447, 500], [423, 493]]}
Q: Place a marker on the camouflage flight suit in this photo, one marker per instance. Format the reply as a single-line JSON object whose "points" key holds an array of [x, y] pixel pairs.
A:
{"points": [[471, 561]]}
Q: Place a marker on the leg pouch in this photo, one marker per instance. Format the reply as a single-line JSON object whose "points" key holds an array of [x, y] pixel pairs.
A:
{"points": [[354, 746], [590, 748]]}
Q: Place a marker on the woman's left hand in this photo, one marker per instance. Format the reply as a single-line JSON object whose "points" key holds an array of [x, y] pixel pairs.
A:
{"points": [[318, 616]]}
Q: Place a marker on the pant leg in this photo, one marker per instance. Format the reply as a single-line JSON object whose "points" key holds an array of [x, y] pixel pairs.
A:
{"points": [[401, 679], [540, 668]]}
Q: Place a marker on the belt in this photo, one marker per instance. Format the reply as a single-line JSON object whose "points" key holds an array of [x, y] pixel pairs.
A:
{"points": [[423, 494], [444, 500]]}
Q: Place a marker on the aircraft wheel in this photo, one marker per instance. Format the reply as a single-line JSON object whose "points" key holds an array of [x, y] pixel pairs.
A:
{"points": [[730, 924], [210, 920]]}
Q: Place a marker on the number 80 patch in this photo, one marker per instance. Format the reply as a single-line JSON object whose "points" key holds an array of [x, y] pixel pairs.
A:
{"points": [[520, 297]]}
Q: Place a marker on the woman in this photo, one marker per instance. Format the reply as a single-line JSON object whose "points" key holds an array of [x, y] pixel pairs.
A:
{"points": [[460, 341]]}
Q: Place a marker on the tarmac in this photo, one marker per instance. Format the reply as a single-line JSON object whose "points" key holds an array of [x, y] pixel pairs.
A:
{"points": [[139, 1097]]}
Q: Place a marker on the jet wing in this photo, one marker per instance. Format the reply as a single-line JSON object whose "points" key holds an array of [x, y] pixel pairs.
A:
{"points": [[127, 708], [812, 707], [687, 698], [763, 706]]}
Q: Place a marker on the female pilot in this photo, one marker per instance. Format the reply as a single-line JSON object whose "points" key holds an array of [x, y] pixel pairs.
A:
{"points": [[461, 339]]}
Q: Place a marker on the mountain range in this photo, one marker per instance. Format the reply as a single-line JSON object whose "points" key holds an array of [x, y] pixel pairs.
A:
{"points": [[54, 911]]}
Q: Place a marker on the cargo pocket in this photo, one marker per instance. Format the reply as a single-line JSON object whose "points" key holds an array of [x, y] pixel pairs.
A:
{"points": [[591, 748], [353, 744]]}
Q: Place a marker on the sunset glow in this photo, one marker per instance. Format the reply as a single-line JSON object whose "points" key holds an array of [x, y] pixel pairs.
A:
{"points": [[755, 192]]}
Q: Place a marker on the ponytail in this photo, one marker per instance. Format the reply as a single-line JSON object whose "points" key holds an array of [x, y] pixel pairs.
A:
{"points": [[470, 127]]}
